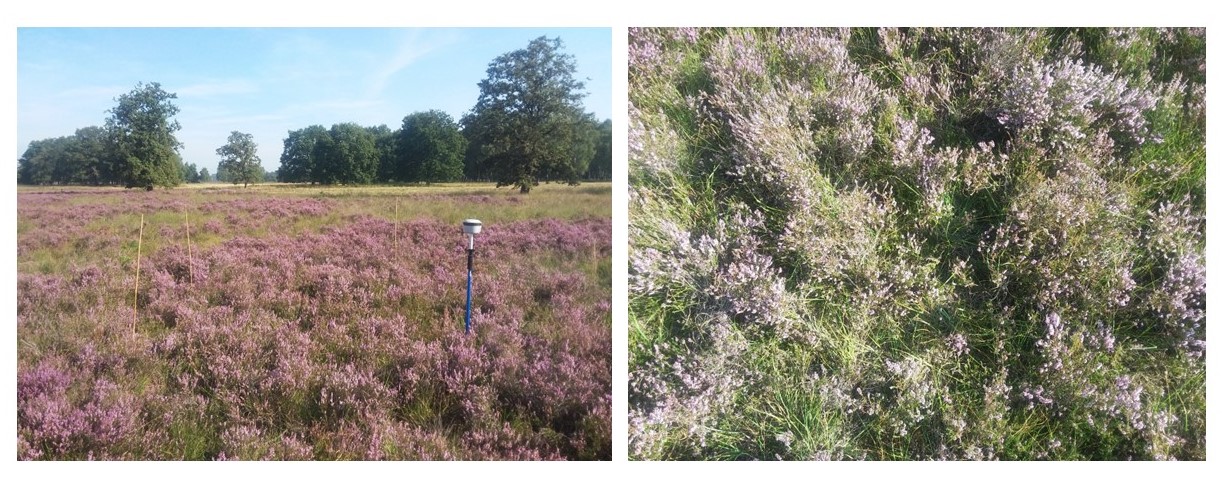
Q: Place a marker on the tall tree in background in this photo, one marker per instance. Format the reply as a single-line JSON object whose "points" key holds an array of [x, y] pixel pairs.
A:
{"points": [[239, 161], [346, 154], [529, 117], [430, 148], [583, 138], [82, 158], [349, 155], [297, 163], [191, 174], [601, 164], [37, 165], [473, 158], [141, 131], [91, 161], [384, 143]]}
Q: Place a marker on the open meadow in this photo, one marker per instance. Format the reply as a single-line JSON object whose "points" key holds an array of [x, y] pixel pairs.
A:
{"points": [[307, 322]]}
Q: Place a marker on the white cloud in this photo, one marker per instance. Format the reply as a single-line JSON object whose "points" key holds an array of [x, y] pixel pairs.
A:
{"points": [[416, 44], [217, 87]]}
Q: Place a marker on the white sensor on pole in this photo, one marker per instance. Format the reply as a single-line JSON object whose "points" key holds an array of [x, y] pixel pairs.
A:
{"points": [[471, 227]]}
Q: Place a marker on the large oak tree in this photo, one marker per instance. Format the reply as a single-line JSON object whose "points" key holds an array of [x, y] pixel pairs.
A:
{"points": [[239, 160], [529, 124], [141, 131]]}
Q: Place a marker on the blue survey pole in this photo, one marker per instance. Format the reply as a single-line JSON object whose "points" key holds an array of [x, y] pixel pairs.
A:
{"points": [[471, 227], [467, 316]]}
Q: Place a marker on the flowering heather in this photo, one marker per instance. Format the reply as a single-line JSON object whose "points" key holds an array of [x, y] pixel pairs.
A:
{"points": [[310, 328], [917, 243]]}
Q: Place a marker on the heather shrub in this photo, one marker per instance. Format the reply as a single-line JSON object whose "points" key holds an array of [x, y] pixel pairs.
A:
{"points": [[288, 332], [917, 243]]}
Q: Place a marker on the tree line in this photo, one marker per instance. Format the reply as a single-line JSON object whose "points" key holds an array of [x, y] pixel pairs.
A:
{"points": [[528, 126], [135, 148]]}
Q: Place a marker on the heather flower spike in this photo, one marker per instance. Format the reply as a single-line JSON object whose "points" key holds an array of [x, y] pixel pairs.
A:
{"points": [[471, 227]]}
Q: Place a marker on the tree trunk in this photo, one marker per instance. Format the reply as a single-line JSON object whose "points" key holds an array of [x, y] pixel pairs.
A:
{"points": [[524, 189]]}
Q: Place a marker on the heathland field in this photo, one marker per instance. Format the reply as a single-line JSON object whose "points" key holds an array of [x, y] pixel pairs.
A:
{"points": [[917, 243], [281, 322]]}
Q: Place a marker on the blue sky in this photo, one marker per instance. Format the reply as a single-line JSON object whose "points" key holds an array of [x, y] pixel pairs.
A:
{"points": [[268, 81]]}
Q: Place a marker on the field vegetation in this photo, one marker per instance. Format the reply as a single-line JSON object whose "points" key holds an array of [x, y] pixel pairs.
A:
{"points": [[307, 322], [917, 244]]}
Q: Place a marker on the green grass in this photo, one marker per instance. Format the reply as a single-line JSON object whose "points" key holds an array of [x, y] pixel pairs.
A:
{"points": [[862, 361], [445, 202]]}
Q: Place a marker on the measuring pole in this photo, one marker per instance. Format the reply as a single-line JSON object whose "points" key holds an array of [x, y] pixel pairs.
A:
{"points": [[471, 227]]}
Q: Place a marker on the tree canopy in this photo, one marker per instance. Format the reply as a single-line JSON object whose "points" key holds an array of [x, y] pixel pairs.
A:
{"points": [[40, 162], [347, 155], [527, 126], [191, 173], [529, 122], [239, 159], [601, 163], [297, 162], [141, 132], [430, 148]]}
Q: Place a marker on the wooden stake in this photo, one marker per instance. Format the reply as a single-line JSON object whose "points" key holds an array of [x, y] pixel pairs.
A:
{"points": [[396, 226], [136, 284], [190, 259]]}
